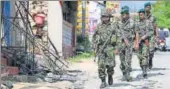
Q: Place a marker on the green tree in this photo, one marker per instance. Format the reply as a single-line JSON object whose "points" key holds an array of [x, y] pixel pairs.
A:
{"points": [[161, 10]]}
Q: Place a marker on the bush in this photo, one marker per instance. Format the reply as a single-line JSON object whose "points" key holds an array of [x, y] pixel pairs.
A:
{"points": [[83, 43], [80, 57]]}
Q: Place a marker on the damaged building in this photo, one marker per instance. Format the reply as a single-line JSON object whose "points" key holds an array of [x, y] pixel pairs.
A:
{"points": [[37, 35]]}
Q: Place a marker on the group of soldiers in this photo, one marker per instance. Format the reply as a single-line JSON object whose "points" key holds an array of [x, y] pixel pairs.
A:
{"points": [[120, 37]]}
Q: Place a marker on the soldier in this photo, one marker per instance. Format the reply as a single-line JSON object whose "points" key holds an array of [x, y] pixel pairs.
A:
{"points": [[143, 27], [154, 32], [126, 26], [105, 40]]}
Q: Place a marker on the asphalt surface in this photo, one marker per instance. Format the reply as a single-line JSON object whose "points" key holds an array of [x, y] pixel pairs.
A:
{"points": [[158, 77]]}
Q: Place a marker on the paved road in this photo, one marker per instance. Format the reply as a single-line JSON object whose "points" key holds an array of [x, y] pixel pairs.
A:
{"points": [[158, 77]]}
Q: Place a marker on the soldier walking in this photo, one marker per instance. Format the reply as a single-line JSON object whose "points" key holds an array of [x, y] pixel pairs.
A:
{"points": [[143, 28], [127, 31], [105, 40], [154, 32]]}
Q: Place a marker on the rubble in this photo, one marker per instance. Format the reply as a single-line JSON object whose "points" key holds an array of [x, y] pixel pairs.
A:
{"points": [[47, 77], [70, 80], [6, 85]]}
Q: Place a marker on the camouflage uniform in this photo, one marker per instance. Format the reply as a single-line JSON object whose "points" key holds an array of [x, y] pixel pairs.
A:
{"points": [[127, 31], [152, 40], [106, 57], [143, 29]]}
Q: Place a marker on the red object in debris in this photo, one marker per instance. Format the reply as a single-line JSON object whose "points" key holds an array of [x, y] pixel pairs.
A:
{"points": [[162, 41], [39, 19], [9, 70]]}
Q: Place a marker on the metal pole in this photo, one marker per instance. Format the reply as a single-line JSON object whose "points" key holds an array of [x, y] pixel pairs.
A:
{"points": [[26, 45], [0, 40], [83, 18]]}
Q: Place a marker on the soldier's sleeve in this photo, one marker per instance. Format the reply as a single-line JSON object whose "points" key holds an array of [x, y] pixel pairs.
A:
{"points": [[154, 20], [95, 34], [113, 34], [136, 33], [95, 37], [120, 31], [150, 29], [136, 26], [118, 37], [155, 26], [122, 34]]}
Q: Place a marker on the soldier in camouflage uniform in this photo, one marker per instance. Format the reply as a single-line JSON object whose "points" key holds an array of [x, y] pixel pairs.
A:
{"points": [[105, 39], [154, 32], [127, 31], [143, 27]]}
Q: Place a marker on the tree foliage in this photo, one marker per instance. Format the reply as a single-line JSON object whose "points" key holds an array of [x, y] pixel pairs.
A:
{"points": [[161, 10]]}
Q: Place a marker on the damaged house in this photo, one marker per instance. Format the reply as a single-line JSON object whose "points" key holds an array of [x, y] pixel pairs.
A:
{"points": [[37, 36]]}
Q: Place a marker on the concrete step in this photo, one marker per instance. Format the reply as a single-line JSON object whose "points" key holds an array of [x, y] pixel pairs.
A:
{"points": [[9, 70]]}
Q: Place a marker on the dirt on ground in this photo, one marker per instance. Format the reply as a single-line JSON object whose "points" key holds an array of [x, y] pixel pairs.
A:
{"points": [[85, 66]]}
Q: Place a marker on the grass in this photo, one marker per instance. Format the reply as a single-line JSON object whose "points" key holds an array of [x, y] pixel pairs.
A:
{"points": [[80, 57]]}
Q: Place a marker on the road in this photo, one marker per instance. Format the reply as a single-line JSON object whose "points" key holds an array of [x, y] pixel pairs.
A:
{"points": [[158, 77]]}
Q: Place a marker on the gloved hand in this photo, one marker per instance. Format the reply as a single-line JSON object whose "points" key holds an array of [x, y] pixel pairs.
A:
{"points": [[116, 52]]}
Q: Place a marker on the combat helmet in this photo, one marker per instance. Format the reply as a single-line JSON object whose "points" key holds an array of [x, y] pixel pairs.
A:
{"points": [[105, 12], [141, 11], [147, 4], [125, 9]]}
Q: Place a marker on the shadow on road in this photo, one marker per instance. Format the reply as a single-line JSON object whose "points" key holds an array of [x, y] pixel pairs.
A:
{"points": [[153, 69], [155, 74], [144, 88], [30, 87], [140, 76], [157, 69], [119, 85]]}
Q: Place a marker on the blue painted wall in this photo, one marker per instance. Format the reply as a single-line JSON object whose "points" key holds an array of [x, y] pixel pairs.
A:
{"points": [[7, 25]]}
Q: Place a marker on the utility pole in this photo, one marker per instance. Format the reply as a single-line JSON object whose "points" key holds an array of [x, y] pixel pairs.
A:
{"points": [[83, 18], [0, 36]]}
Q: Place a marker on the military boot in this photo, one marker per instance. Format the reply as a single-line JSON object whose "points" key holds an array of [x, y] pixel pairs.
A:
{"points": [[124, 76], [144, 69], [150, 60], [110, 79], [150, 63], [128, 77], [103, 84]]}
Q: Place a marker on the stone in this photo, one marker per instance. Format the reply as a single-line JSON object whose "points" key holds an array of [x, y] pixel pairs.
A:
{"points": [[4, 87], [40, 80], [50, 75], [7, 85], [50, 80]]}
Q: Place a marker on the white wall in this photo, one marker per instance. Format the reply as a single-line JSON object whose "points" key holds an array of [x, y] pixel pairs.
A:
{"points": [[55, 25]]}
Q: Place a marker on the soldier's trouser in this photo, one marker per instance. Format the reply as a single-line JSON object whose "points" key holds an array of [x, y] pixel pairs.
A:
{"points": [[104, 65], [103, 68], [125, 58], [143, 55], [151, 50]]}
